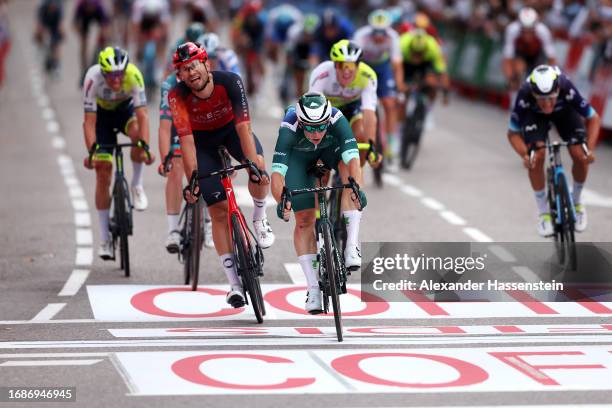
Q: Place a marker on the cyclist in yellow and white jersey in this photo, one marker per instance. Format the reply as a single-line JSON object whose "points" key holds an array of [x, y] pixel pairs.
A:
{"points": [[350, 85], [114, 101]]}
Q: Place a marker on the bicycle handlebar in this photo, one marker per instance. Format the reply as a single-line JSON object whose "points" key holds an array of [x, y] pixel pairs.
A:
{"points": [[228, 170], [140, 143], [556, 144]]}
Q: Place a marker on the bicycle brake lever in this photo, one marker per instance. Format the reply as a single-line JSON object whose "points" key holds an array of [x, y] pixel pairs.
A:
{"points": [[284, 199]]}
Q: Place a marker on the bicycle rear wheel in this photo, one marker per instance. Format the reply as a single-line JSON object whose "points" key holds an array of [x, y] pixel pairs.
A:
{"points": [[185, 243], [195, 243], [411, 135], [567, 226], [378, 171], [336, 217], [247, 269], [333, 278]]}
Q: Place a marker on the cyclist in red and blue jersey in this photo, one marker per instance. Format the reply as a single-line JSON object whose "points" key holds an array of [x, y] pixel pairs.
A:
{"points": [[332, 29], [549, 97], [209, 110]]}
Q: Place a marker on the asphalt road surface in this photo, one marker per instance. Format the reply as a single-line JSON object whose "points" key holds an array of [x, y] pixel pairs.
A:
{"points": [[68, 319]]}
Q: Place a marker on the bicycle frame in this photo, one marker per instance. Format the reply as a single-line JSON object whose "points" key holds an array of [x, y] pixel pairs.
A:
{"points": [[555, 168]]}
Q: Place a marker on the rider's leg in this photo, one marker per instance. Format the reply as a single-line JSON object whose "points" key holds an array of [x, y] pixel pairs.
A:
{"points": [[104, 169], [174, 194], [356, 123], [305, 244], [136, 154], [352, 218], [580, 170]]}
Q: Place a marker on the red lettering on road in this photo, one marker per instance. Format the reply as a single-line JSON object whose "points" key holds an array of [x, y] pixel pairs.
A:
{"points": [[391, 330], [513, 359], [278, 299], [222, 330], [586, 302], [145, 302], [531, 302], [189, 369], [469, 374]]}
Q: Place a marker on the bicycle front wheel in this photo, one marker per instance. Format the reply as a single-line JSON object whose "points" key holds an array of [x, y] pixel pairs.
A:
{"points": [[333, 278], [122, 224], [567, 226], [247, 268], [195, 243]]}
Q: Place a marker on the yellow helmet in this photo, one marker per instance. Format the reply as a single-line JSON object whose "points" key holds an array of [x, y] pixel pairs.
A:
{"points": [[345, 51]]}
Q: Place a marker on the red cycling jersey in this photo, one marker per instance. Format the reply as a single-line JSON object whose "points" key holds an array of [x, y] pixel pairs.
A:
{"points": [[226, 104]]}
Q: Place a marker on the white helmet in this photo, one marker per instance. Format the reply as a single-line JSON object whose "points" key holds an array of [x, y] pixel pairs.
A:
{"points": [[210, 42], [528, 17], [313, 108], [544, 80]]}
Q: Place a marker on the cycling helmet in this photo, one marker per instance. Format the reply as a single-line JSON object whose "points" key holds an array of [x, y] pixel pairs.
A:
{"points": [[311, 23], [251, 7], [330, 17], [418, 43], [528, 17], [345, 51], [313, 108], [210, 42], [379, 19], [194, 31], [544, 80], [113, 59], [187, 52]]}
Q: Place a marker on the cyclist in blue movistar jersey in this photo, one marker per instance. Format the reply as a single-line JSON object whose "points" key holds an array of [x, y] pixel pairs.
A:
{"points": [[549, 97]]}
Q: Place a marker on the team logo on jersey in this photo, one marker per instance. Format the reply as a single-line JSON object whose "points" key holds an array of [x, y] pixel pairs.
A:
{"points": [[530, 128]]}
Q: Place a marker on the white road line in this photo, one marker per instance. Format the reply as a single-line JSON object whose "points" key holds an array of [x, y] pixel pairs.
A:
{"points": [[58, 142], [48, 113], [411, 191], [52, 355], [48, 312], [502, 253], [477, 235], [76, 192], [71, 181], [591, 197], [37, 363], [43, 101], [526, 273], [452, 218], [79, 204], [84, 236], [392, 180], [84, 256], [75, 281], [52, 126], [305, 342], [82, 219], [432, 203], [295, 273]]}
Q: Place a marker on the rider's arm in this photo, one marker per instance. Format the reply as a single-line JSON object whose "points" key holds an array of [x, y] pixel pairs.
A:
{"points": [[512, 31], [396, 59], [547, 42], [142, 116], [439, 64], [345, 138], [593, 125], [165, 121], [89, 129], [282, 153], [584, 108], [180, 116], [369, 101], [515, 136]]}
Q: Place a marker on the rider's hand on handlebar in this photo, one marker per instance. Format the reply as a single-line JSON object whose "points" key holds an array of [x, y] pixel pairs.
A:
{"points": [[88, 163], [527, 162], [590, 157], [283, 213], [149, 159], [191, 196]]}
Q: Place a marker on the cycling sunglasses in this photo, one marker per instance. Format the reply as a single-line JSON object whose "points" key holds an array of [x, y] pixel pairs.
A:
{"points": [[113, 75], [546, 97], [346, 65], [316, 128]]}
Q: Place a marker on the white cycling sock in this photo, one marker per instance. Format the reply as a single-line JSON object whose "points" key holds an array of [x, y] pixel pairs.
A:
{"points": [[308, 264], [541, 201], [227, 263], [137, 175], [104, 220], [577, 192], [259, 210], [352, 219], [173, 222]]}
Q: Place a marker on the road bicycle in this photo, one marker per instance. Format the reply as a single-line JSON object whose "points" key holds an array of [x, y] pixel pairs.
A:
{"points": [[192, 232], [560, 202], [416, 111], [332, 270], [248, 256], [121, 221]]}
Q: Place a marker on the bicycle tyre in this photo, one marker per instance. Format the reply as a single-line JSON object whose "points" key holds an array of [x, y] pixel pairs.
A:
{"points": [[337, 219], [333, 278], [378, 171], [567, 225], [121, 218], [186, 237], [195, 243], [246, 267]]}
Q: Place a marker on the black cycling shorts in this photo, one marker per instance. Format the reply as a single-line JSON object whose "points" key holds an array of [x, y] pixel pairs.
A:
{"points": [[109, 123], [414, 73], [207, 153], [570, 125]]}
